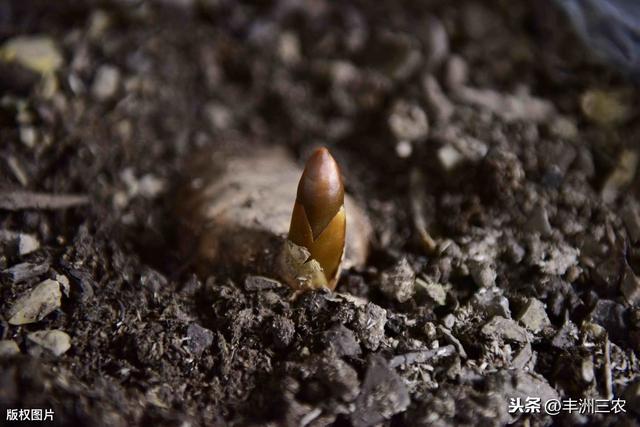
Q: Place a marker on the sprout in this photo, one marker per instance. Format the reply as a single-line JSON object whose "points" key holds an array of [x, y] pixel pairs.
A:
{"points": [[318, 221]]}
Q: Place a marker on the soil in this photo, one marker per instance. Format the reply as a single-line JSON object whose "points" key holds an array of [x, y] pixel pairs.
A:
{"points": [[495, 159]]}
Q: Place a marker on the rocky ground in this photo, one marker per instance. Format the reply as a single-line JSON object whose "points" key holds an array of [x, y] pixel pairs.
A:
{"points": [[497, 163]]}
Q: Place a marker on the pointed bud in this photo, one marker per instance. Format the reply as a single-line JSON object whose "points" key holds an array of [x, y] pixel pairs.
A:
{"points": [[318, 221]]}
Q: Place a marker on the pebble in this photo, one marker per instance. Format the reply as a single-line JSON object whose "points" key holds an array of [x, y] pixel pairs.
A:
{"points": [[404, 149], [564, 128], [556, 259], [383, 394], [199, 339], [55, 341], [398, 282], [25, 271], [504, 328], [533, 316], [37, 53], [340, 378], [8, 348], [28, 136], [408, 122], [106, 82], [370, 321], [220, 117], [566, 336], [434, 290], [483, 274], [449, 157], [342, 340], [38, 303], [587, 370], [27, 244], [491, 304], [605, 108], [539, 221]]}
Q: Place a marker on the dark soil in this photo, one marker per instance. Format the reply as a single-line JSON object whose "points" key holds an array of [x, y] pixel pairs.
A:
{"points": [[526, 283]]}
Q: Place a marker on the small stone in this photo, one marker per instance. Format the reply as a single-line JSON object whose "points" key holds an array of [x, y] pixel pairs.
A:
{"points": [[27, 244], [64, 284], [557, 259], [56, 341], [539, 221], [630, 287], [340, 378], [383, 394], [25, 271], [260, 283], [150, 186], [289, 48], [430, 330], [484, 275], [398, 282], [563, 127], [491, 304], [449, 321], [370, 321], [33, 307], [404, 149], [37, 53], [28, 136], [342, 340], [8, 348], [219, 116], [515, 252], [533, 316], [408, 122], [566, 337], [199, 339], [605, 108], [106, 82], [587, 370], [435, 291], [500, 327], [449, 157]]}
